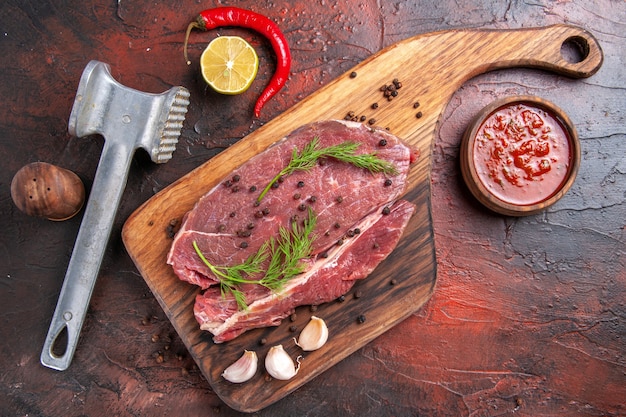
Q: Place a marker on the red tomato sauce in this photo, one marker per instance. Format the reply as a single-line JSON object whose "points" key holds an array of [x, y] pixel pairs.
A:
{"points": [[522, 154]]}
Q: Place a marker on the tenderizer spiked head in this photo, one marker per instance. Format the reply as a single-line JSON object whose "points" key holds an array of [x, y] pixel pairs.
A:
{"points": [[130, 117], [170, 131]]}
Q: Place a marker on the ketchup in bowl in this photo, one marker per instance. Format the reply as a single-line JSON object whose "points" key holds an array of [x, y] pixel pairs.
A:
{"points": [[520, 155]]}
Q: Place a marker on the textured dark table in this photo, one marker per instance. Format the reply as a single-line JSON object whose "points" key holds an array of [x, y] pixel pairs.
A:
{"points": [[529, 314]]}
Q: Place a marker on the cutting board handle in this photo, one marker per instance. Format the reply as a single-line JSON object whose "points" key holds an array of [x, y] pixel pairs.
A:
{"points": [[565, 49]]}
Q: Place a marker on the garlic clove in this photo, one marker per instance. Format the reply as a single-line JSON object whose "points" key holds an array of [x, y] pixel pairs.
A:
{"points": [[279, 364], [314, 335], [243, 369]]}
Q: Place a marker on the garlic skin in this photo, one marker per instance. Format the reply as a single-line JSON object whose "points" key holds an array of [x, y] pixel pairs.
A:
{"points": [[279, 364], [314, 335], [243, 369]]}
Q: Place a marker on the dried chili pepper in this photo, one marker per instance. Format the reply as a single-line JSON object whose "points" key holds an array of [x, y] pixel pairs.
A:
{"points": [[234, 16]]}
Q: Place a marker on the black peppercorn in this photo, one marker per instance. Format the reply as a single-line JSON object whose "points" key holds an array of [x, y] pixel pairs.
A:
{"points": [[171, 228], [360, 319], [252, 188], [388, 182], [386, 210], [353, 74]]}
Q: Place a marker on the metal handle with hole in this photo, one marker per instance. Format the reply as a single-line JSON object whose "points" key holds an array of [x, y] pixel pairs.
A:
{"points": [[84, 266]]}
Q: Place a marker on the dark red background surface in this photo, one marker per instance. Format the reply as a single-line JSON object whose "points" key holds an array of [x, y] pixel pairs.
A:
{"points": [[528, 317]]}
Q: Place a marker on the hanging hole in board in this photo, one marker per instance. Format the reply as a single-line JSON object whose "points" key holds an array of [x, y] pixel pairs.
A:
{"points": [[575, 49], [59, 346]]}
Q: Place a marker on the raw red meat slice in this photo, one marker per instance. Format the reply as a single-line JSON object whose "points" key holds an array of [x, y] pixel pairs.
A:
{"points": [[229, 224]]}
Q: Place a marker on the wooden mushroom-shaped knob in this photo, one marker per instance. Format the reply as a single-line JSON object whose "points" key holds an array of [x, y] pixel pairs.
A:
{"points": [[44, 190]]}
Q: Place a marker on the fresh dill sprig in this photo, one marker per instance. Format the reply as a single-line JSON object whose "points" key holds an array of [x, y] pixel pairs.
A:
{"points": [[292, 246], [232, 276], [344, 152], [284, 256]]}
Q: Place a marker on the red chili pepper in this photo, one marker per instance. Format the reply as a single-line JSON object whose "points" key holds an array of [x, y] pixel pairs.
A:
{"points": [[234, 16]]}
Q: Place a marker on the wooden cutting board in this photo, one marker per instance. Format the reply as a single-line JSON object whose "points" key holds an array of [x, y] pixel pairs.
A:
{"points": [[430, 67]]}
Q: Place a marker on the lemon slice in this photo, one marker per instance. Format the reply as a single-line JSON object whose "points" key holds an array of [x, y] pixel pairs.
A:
{"points": [[229, 64]]}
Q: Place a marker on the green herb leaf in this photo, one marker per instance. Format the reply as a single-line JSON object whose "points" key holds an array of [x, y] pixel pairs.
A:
{"points": [[344, 152], [284, 256], [231, 276]]}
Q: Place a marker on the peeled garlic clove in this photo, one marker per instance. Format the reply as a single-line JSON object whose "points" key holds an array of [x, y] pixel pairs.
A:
{"points": [[279, 364], [314, 335], [243, 369]]}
